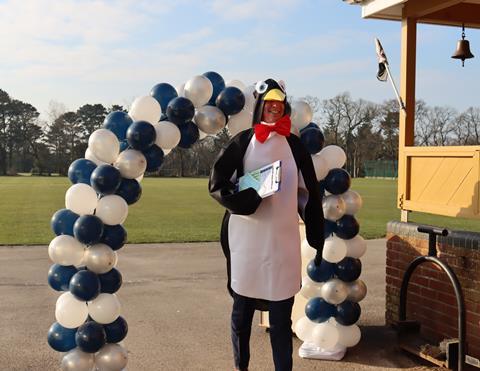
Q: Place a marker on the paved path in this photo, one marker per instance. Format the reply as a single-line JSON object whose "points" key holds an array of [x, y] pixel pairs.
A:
{"points": [[175, 302]]}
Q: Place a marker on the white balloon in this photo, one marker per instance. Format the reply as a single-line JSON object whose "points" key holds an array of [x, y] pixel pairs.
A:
{"points": [[112, 357], [353, 202], [236, 83], [131, 163], [239, 122], [66, 250], [199, 90], [90, 156], [308, 252], [112, 209], [301, 114], [310, 289], [100, 258], [104, 145], [334, 156], [105, 308], [145, 108], [320, 165], [325, 335], [334, 249], [333, 207], [140, 178], [295, 130], [69, 311], [349, 336], [166, 151], [356, 247], [168, 135], [180, 90], [76, 360], [81, 199], [334, 291], [202, 135], [304, 328], [250, 100]]}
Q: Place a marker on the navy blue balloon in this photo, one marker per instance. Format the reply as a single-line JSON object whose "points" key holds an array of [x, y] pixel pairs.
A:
{"points": [[117, 330], [348, 313], [59, 276], [141, 135], [124, 145], [337, 181], [329, 228], [88, 229], [218, 84], [130, 190], [114, 236], [180, 110], [313, 140], [348, 269], [60, 338], [118, 122], [111, 281], [80, 171], [310, 126], [105, 179], [163, 93], [85, 285], [189, 134], [62, 222], [347, 227], [154, 156], [230, 100], [318, 310], [90, 337], [320, 273]]}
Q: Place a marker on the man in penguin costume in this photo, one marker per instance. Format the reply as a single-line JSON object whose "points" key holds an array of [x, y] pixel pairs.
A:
{"points": [[260, 237]]}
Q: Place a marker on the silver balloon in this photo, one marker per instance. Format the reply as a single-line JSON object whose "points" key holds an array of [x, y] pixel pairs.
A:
{"points": [[353, 202], [76, 360], [199, 90], [334, 291], [357, 290], [100, 258], [131, 163], [112, 357], [210, 119], [333, 207]]}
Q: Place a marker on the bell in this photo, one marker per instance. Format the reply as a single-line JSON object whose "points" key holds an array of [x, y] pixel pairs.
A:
{"points": [[463, 49]]}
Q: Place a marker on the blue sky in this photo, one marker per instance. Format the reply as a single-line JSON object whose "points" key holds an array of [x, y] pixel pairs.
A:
{"points": [[78, 52]]}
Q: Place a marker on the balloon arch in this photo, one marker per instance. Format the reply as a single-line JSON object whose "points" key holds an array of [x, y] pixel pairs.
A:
{"points": [[89, 230]]}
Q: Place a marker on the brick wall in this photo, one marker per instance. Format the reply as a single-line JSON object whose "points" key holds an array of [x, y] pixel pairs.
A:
{"points": [[431, 299]]}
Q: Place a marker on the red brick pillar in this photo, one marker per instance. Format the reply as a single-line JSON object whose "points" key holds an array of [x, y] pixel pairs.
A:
{"points": [[431, 299]]}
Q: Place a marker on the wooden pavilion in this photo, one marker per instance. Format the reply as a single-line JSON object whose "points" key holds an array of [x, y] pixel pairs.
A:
{"points": [[437, 180]]}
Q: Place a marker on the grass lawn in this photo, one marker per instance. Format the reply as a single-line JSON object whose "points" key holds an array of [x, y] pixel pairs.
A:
{"points": [[174, 209]]}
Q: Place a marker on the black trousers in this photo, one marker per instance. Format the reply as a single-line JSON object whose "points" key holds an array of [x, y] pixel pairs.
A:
{"points": [[280, 313]]}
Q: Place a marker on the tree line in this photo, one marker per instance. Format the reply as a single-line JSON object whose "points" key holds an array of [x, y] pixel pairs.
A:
{"points": [[365, 130]]}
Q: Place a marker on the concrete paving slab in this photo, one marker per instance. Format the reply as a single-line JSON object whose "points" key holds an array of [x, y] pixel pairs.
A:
{"points": [[177, 308]]}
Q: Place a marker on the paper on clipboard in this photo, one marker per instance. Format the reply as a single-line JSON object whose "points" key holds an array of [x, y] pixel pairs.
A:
{"points": [[266, 180]]}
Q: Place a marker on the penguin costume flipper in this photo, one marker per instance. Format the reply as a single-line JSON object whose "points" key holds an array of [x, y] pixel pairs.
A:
{"points": [[220, 185]]}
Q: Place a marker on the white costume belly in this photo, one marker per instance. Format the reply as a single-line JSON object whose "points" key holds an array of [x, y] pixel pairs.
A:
{"points": [[265, 246]]}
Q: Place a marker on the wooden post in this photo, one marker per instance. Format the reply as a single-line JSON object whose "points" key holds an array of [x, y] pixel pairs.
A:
{"points": [[407, 117]]}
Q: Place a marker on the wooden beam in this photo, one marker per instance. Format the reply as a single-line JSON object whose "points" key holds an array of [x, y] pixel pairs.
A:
{"points": [[421, 8], [464, 13], [407, 92]]}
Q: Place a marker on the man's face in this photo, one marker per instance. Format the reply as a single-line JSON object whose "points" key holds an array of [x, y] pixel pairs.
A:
{"points": [[273, 110]]}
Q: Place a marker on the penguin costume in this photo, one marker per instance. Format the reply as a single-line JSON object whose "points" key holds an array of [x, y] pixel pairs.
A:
{"points": [[260, 237]]}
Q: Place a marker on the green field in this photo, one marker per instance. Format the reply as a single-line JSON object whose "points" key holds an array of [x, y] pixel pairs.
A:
{"points": [[173, 209]]}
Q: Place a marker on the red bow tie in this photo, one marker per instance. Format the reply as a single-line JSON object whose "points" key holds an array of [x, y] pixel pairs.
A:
{"points": [[282, 127]]}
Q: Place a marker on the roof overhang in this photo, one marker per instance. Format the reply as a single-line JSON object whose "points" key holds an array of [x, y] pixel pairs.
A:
{"points": [[441, 12]]}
